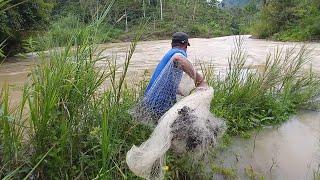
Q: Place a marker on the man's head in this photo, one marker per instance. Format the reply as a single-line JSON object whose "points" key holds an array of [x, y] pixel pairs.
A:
{"points": [[180, 39]]}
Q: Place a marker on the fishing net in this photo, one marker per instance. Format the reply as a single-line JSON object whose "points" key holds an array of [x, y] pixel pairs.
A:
{"points": [[161, 93], [186, 127]]}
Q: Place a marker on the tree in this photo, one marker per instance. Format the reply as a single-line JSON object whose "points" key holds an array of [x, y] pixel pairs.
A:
{"points": [[161, 13]]}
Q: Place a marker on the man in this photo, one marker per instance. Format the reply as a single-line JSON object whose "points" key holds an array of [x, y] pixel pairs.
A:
{"points": [[160, 94]]}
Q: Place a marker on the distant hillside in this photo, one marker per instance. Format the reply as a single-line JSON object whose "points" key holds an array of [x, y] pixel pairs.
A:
{"points": [[233, 3]]}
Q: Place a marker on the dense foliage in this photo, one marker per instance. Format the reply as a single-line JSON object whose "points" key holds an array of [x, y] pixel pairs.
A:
{"points": [[288, 20], [51, 17], [20, 19], [198, 18]]}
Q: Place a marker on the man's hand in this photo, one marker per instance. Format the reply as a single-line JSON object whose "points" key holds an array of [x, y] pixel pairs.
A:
{"points": [[187, 67], [203, 84], [200, 81]]}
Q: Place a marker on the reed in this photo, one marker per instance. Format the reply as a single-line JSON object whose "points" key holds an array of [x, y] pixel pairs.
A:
{"points": [[76, 126], [253, 98]]}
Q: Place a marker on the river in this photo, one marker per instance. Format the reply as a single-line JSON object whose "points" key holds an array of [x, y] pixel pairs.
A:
{"points": [[291, 151]]}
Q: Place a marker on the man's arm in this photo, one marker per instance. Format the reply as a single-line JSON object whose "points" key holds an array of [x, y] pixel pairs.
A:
{"points": [[188, 68]]}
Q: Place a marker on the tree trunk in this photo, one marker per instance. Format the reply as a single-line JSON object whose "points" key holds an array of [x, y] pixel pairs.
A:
{"points": [[161, 15], [154, 22], [144, 8], [194, 10], [127, 29]]}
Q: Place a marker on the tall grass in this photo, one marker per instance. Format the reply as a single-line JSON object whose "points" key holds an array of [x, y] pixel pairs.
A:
{"points": [[77, 128], [62, 105], [81, 126], [253, 98], [12, 129], [1, 49]]}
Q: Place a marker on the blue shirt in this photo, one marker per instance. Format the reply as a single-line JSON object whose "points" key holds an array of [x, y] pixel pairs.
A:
{"points": [[160, 94]]}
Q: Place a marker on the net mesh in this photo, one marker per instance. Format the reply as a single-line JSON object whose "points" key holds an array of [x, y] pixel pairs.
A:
{"points": [[187, 127], [161, 96]]}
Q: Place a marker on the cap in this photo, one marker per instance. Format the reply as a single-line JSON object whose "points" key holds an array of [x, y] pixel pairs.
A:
{"points": [[180, 37]]}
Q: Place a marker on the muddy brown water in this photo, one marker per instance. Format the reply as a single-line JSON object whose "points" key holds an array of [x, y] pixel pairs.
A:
{"points": [[291, 151]]}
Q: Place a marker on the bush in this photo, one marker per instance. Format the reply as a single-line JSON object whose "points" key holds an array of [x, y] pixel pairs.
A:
{"points": [[62, 31], [199, 30], [288, 21], [260, 30], [17, 21]]}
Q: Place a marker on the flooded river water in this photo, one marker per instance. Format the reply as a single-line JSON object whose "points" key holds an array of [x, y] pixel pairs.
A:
{"points": [[291, 151]]}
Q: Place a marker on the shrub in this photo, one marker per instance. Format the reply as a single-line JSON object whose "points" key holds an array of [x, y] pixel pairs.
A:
{"points": [[63, 30], [288, 21], [199, 30]]}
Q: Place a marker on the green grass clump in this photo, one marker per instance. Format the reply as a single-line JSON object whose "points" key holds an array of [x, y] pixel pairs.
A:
{"points": [[252, 174], [262, 29], [254, 98], [67, 126], [226, 172], [288, 21], [10, 136]]}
